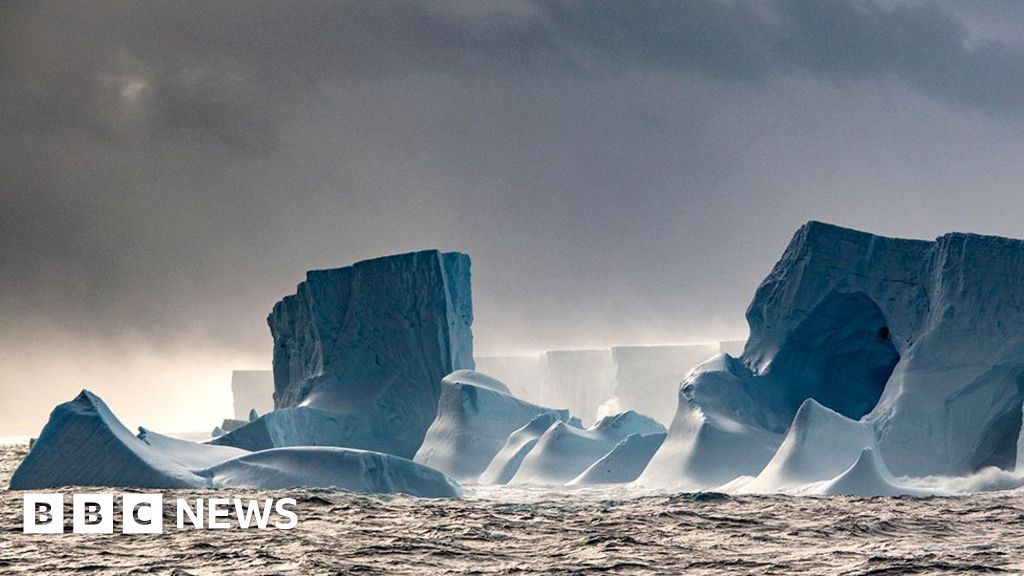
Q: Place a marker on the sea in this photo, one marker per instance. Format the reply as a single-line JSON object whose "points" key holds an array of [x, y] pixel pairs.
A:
{"points": [[518, 531]]}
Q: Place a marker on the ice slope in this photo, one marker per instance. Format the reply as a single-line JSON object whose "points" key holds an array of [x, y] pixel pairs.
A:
{"points": [[373, 340], [84, 444], [324, 467], [820, 444], [564, 452], [623, 463], [647, 377], [252, 390], [524, 375], [920, 339], [710, 443], [580, 380], [868, 476], [189, 454], [506, 462], [475, 416], [304, 426]]}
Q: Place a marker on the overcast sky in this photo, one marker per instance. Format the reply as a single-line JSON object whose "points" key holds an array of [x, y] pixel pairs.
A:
{"points": [[620, 172]]}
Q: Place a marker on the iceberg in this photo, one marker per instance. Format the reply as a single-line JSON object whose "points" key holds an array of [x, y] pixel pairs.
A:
{"points": [[506, 462], [328, 467], [647, 377], [252, 390], [918, 339], [84, 444], [580, 380], [563, 452], [370, 343], [868, 476], [820, 444], [475, 417], [524, 375], [624, 462]]}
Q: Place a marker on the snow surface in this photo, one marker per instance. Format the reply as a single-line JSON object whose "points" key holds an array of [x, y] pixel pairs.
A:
{"points": [[252, 390], [84, 444], [373, 341], [506, 462], [475, 417], [623, 463], [564, 452], [820, 444], [324, 467]]}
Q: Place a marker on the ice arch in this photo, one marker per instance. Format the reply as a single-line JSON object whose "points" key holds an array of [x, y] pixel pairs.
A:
{"points": [[841, 355]]}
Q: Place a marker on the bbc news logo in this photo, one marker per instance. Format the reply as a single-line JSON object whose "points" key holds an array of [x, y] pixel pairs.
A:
{"points": [[144, 513]]}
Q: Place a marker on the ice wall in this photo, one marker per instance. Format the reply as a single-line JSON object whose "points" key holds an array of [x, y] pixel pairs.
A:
{"points": [[648, 377], [580, 380], [373, 341], [524, 375], [252, 390], [920, 339]]}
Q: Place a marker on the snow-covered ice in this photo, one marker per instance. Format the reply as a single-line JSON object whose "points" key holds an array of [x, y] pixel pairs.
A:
{"points": [[475, 416], [564, 452], [624, 462], [84, 444]]}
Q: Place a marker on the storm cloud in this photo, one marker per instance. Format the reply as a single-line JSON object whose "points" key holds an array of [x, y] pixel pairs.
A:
{"points": [[621, 172]]}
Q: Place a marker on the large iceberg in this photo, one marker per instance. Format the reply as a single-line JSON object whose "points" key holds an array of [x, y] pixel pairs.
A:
{"points": [[475, 416], [84, 444], [563, 452], [919, 340], [524, 375], [580, 380], [252, 390], [370, 343], [647, 377]]}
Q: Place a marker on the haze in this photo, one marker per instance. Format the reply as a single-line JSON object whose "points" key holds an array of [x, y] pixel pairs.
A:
{"points": [[620, 172]]}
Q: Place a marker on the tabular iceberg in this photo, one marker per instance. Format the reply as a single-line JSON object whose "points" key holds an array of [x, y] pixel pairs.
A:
{"points": [[919, 340], [84, 444], [252, 390], [580, 380], [475, 416], [370, 343], [563, 452], [647, 377]]}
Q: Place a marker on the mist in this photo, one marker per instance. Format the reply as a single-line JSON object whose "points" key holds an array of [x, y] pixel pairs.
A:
{"points": [[167, 173]]}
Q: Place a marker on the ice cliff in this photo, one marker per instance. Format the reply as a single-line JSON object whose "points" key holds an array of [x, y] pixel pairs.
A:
{"points": [[647, 377], [918, 340], [366, 346]]}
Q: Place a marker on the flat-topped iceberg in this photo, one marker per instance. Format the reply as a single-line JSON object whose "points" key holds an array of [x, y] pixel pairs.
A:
{"points": [[84, 444], [918, 340], [647, 377], [372, 341], [475, 417]]}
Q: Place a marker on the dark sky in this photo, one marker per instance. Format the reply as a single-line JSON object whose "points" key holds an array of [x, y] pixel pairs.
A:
{"points": [[620, 172]]}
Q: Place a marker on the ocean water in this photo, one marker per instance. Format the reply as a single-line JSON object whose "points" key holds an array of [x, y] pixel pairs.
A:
{"points": [[595, 531]]}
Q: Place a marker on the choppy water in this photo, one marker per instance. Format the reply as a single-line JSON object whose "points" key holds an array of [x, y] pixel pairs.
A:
{"points": [[532, 532]]}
